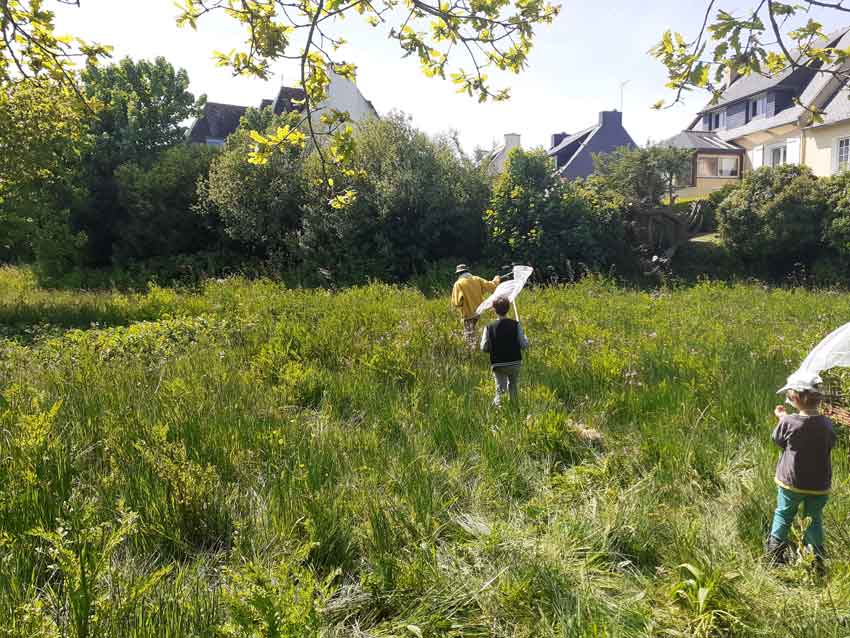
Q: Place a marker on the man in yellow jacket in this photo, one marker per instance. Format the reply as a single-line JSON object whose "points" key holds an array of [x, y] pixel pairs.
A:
{"points": [[468, 293]]}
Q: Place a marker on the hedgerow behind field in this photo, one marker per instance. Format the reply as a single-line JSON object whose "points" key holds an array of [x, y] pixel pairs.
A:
{"points": [[254, 461]]}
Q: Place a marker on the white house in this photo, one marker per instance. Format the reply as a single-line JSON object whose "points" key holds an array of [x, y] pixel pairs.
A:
{"points": [[498, 158], [219, 120]]}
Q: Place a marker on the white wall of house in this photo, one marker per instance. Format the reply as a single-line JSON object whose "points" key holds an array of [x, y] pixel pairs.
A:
{"points": [[343, 95], [766, 148], [500, 159], [824, 146]]}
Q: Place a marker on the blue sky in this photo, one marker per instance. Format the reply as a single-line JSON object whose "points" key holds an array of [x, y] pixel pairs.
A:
{"points": [[574, 72]]}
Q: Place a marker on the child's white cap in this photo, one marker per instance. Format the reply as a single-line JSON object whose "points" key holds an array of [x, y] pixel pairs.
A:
{"points": [[802, 382]]}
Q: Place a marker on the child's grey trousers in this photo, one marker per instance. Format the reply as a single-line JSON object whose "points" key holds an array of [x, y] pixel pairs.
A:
{"points": [[507, 381]]}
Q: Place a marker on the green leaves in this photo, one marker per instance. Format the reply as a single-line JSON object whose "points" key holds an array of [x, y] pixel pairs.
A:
{"points": [[492, 33], [284, 137], [753, 41], [31, 48]]}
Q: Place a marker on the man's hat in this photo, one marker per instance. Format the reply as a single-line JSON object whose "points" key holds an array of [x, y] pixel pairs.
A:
{"points": [[461, 268]]}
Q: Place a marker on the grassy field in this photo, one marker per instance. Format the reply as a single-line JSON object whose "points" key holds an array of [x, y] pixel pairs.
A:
{"points": [[253, 461]]}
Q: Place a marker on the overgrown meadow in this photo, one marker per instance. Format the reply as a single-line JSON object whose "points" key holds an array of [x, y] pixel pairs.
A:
{"points": [[247, 460]]}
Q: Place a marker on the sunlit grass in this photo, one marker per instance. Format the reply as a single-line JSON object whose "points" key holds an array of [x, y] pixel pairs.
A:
{"points": [[253, 461]]}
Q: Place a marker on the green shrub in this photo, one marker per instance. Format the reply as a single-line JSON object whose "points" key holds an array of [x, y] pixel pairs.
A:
{"points": [[836, 227], [419, 200], [258, 206], [58, 250], [158, 202], [712, 203], [774, 217], [535, 218]]}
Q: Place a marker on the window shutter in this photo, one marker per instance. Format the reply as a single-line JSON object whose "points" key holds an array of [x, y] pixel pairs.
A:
{"points": [[792, 150], [836, 150], [757, 157]]}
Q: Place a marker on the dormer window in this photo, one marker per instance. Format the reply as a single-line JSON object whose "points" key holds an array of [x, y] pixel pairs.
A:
{"points": [[756, 107], [716, 120]]}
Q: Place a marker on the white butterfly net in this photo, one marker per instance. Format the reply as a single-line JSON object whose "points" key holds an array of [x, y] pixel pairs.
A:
{"points": [[509, 289], [833, 351]]}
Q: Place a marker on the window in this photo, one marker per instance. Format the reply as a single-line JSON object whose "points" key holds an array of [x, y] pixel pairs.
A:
{"points": [[717, 167], [842, 154], [756, 107], [717, 120], [778, 155]]}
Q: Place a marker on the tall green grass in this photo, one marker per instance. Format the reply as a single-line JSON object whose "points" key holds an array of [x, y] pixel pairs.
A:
{"points": [[246, 460]]}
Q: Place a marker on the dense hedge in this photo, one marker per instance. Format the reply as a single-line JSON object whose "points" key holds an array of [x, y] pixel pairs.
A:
{"points": [[783, 221]]}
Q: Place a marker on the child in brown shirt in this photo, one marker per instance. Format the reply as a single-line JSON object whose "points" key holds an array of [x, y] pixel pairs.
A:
{"points": [[804, 471]]}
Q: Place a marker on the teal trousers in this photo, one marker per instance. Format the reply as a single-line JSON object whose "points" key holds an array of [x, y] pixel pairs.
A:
{"points": [[787, 504]]}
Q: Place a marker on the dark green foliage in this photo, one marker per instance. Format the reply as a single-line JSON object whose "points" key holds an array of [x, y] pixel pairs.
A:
{"points": [[158, 206], [142, 109], [257, 205], [56, 248], [836, 226], [536, 218], [418, 200], [712, 203], [775, 217]]}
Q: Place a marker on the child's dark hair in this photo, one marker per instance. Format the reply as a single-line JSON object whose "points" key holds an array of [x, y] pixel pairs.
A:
{"points": [[501, 306], [807, 399]]}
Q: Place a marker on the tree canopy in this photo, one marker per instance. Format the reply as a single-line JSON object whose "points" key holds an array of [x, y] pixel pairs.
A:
{"points": [[644, 175]]}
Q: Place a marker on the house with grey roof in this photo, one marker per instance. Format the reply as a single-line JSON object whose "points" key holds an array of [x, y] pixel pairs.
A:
{"points": [[768, 120], [218, 121], [573, 154]]}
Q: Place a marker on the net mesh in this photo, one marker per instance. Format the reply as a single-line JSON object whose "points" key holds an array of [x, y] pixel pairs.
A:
{"points": [[509, 289]]}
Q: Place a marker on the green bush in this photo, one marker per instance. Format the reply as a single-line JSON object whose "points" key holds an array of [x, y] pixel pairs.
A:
{"points": [[258, 206], [158, 203], [774, 217], [536, 218], [836, 226], [712, 203], [418, 200]]}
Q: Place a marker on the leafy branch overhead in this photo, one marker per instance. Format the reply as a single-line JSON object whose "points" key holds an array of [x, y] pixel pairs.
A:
{"points": [[768, 38], [30, 48], [487, 33]]}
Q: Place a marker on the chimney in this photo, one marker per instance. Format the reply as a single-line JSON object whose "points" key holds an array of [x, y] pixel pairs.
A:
{"points": [[611, 118], [511, 141], [557, 138], [731, 74]]}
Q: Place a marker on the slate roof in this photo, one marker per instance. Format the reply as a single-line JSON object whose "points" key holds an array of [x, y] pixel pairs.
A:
{"points": [[219, 120], [579, 141], [216, 122], [576, 138], [756, 83], [574, 153], [837, 109], [700, 141], [286, 98], [785, 116]]}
